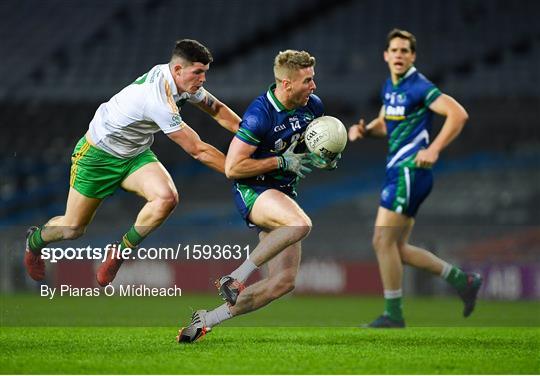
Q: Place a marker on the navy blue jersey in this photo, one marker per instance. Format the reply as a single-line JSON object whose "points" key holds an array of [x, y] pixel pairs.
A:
{"points": [[407, 115], [268, 125]]}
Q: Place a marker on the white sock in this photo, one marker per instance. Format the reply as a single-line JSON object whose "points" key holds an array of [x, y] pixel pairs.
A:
{"points": [[393, 294], [244, 271], [218, 315], [447, 268]]}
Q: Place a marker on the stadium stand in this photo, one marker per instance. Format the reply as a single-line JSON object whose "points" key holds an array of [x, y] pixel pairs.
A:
{"points": [[61, 60]]}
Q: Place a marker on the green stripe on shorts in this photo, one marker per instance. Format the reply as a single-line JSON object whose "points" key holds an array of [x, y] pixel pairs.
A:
{"points": [[405, 180], [98, 174], [248, 195]]}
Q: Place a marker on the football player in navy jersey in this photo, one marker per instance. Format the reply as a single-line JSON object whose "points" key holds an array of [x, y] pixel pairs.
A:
{"points": [[266, 159], [409, 101]]}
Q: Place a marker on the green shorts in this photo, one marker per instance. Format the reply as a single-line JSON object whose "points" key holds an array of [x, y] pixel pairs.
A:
{"points": [[98, 174]]}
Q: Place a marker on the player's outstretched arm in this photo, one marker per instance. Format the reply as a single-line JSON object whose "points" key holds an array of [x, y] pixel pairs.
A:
{"points": [[205, 153], [456, 116], [220, 112], [375, 128]]}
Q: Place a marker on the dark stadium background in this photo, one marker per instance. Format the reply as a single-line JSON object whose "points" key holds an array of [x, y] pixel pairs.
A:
{"points": [[60, 59]]}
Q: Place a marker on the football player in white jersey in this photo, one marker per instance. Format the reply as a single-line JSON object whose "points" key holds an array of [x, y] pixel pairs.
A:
{"points": [[115, 152]]}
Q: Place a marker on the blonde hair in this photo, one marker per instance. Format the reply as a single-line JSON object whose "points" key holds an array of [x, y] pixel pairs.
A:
{"points": [[289, 61]]}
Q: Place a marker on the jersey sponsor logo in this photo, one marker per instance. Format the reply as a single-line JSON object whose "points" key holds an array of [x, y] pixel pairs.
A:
{"points": [[394, 112], [175, 121], [279, 128]]}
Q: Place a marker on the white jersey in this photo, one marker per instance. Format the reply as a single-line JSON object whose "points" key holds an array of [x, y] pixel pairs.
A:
{"points": [[125, 125]]}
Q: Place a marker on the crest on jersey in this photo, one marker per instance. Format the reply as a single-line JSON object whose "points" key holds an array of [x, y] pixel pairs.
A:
{"points": [[391, 97], [308, 117], [401, 98], [279, 145]]}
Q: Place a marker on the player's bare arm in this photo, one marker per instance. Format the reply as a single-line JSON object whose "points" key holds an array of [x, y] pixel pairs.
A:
{"points": [[221, 113], [239, 163], [205, 153], [375, 128], [456, 116]]}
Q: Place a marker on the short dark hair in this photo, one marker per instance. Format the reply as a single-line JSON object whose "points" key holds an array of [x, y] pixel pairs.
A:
{"points": [[192, 51], [403, 34]]}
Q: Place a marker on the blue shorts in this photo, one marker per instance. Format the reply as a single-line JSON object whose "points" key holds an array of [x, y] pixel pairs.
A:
{"points": [[245, 196], [405, 188]]}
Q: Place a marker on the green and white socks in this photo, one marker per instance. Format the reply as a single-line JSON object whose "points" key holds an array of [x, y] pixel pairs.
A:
{"points": [[393, 306], [131, 239], [454, 276], [36, 242]]}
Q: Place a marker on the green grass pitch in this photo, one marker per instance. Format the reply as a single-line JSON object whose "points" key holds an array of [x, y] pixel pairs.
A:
{"points": [[296, 335]]}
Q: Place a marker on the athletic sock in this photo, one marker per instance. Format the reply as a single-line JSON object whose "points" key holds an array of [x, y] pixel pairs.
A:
{"points": [[446, 270], [393, 306], [244, 271], [131, 239], [218, 315], [36, 242], [456, 278]]}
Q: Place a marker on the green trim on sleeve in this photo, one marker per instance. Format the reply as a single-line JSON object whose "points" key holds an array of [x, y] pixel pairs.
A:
{"points": [[247, 136], [433, 94]]}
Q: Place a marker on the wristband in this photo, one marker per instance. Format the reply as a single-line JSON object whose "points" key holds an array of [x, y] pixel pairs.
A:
{"points": [[282, 163]]}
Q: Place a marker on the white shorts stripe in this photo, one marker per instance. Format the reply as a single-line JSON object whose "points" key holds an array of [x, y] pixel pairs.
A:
{"points": [[407, 184]]}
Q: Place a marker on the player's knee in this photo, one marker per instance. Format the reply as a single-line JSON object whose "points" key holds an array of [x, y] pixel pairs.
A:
{"points": [[301, 225], [73, 232], [166, 202], [379, 242], [284, 285]]}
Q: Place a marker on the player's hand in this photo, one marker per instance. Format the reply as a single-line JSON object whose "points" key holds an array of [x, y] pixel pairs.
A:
{"points": [[357, 131], [426, 158], [324, 163], [292, 162]]}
